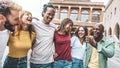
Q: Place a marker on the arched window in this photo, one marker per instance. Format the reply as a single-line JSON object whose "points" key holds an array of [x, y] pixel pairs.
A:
{"points": [[115, 11], [117, 30], [63, 14], [74, 15], [110, 32], [96, 16], [84, 16], [110, 15]]}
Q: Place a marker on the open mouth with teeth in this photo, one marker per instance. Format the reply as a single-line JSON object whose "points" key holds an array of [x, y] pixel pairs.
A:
{"points": [[29, 19]]}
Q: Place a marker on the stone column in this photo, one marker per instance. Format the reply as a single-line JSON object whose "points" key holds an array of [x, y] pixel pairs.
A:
{"points": [[79, 14], [69, 11], [90, 15], [101, 15], [58, 12]]}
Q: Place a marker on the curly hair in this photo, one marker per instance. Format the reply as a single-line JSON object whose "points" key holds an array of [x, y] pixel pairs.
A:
{"points": [[7, 5], [45, 6]]}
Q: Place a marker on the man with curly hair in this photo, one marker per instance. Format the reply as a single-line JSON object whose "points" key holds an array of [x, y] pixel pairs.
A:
{"points": [[9, 16]]}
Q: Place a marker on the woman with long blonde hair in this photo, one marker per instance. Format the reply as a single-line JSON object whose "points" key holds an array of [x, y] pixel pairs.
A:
{"points": [[20, 41]]}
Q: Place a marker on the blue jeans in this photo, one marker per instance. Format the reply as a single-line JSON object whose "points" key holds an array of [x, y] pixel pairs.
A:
{"points": [[49, 65], [62, 64], [77, 63], [15, 62]]}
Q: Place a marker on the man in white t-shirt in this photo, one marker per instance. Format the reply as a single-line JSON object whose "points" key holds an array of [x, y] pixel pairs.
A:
{"points": [[43, 49], [9, 16]]}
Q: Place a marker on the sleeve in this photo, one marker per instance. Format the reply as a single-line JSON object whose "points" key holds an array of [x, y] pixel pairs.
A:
{"points": [[73, 41], [107, 48]]}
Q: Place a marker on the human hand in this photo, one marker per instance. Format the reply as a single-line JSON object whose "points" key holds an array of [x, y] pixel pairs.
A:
{"points": [[55, 55], [90, 39]]}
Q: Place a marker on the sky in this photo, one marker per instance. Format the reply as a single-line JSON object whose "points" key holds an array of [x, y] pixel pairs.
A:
{"points": [[35, 6]]}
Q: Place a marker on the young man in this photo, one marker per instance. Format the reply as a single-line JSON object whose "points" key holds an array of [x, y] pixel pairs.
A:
{"points": [[9, 16], [43, 49], [100, 48]]}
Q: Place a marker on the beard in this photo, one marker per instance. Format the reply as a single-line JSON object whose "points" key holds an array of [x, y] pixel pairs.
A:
{"points": [[9, 26], [98, 37]]}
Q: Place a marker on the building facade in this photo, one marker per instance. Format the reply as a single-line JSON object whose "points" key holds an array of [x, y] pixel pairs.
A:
{"points": [[112, 19], [82, 12], [112, 29]]}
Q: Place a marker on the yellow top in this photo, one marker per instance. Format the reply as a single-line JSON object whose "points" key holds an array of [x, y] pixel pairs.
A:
{"points": [[94, 59], [20, 43]]}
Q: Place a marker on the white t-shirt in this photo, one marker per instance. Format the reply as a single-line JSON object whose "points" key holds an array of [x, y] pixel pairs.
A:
{"points": [[78, 49], [43, 49], [4, 35]]}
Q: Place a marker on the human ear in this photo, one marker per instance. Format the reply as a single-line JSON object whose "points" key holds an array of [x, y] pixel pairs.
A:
{"points": [[2, 19]]}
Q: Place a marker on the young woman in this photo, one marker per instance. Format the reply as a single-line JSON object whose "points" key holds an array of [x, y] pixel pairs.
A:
{"points": [[78, 45], [62, 42], [20, 41]]}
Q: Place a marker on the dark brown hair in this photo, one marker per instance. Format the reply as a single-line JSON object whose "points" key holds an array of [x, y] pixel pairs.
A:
{"points": [[85, 29], [64, 23], [47, 6], [7, 5]]}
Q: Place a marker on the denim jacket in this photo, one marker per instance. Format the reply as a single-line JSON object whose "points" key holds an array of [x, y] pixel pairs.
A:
{"points": [[105, 49]]}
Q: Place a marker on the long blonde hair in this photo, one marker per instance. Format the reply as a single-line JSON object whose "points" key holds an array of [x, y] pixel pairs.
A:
{"points": [[19, 27]]}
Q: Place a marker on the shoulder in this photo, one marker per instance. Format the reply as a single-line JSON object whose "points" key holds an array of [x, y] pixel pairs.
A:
{"points": [[74, 38], [36, 22], [108, 40], [53, 25]]}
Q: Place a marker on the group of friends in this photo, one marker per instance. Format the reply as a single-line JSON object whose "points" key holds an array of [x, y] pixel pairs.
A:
{"points": [[51, 46]]}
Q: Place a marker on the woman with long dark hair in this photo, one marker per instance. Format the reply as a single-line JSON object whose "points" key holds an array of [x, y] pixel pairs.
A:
{"points": [[62, 42], [78, 45]]}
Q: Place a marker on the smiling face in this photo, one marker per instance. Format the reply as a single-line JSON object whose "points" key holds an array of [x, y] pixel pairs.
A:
{"points": [[98, 30], [48, 15], [26, 18], [81, 32]]}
